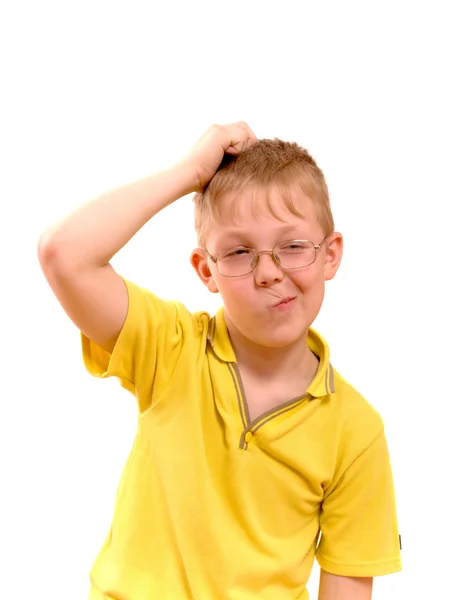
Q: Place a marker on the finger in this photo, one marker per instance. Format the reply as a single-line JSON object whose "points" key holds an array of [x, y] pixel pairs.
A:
{"points": [[232, 137], [240, 125], [232, 150], [251, 137], [247, 129], [237, 142], [242, 137]]}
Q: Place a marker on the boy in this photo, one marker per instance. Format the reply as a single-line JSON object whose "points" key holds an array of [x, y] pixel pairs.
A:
{"points": [[250, 450]]}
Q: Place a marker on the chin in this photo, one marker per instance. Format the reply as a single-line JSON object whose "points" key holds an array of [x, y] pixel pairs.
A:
{"points": [[279, 338]]}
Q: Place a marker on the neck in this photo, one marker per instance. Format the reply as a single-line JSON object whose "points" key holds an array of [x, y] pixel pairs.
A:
{"points": [[266, 362]]}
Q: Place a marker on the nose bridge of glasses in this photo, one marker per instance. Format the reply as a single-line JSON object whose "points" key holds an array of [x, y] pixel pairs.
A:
{"points": [[272, 253]]}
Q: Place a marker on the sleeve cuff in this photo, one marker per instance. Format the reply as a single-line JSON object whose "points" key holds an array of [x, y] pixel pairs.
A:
{"points": [[371, 569]]}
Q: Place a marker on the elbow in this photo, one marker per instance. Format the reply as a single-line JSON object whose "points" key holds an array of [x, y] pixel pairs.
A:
{"points": [[54, 254], [47, 249]]}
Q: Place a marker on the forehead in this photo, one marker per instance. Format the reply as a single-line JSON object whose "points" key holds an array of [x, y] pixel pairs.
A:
{"points": [[258, 213]]}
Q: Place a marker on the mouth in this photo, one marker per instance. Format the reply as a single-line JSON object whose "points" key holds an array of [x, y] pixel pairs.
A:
{"points": [[285, 302]]}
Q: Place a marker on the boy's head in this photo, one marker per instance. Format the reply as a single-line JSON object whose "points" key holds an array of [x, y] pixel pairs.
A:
{"points": [[271, 164], [261, 200]]}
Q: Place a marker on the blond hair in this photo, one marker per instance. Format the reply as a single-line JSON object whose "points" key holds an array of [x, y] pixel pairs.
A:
{"points": [[270, 164]]}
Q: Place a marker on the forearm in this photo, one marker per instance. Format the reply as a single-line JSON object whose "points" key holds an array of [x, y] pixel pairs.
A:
{"points": [[95, 232]]}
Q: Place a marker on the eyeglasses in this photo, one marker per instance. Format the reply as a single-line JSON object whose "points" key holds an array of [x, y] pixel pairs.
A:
{"points": [[240, 260]]}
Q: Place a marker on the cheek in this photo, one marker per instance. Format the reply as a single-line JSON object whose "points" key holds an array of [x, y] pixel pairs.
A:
{"points": [[310, 282], [233, 291]]}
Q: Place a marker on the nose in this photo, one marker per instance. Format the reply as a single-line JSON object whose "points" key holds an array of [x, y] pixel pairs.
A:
{"points": [[267, 269]]}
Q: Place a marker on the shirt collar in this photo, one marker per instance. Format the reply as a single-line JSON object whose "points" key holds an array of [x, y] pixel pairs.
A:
{"points": [[321, 385]]}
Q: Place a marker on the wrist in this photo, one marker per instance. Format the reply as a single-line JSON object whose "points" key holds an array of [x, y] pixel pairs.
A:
{"points": [[186, 176]]}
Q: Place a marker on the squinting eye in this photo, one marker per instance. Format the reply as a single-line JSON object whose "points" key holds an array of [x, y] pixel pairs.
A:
{"points": [[294, 246], [236, 252]]}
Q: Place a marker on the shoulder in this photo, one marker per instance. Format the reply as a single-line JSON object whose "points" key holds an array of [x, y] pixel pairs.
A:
{"points": [[343, 411], [357, 421], [351, 403], [147, 307]]}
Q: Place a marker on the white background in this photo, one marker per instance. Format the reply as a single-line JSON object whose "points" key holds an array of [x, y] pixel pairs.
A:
{"points": [[98, 93]]}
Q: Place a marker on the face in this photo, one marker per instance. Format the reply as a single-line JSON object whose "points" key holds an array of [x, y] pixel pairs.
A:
{"points": [[271, 306]]}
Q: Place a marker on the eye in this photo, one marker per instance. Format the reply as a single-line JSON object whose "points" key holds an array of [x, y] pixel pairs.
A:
{"points": [[237, 252], [295, 246]]}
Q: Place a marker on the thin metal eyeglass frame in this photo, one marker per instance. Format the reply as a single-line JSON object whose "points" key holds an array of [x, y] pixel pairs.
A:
{"points": [[257, 254]]}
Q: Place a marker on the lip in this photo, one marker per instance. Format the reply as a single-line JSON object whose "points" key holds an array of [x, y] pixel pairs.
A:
{"points": [[285, 302]]}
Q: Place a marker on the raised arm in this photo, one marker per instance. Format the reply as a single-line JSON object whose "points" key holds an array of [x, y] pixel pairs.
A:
{"points": [[74, 254]]}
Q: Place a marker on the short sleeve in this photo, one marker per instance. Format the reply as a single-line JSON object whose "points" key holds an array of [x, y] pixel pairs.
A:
{"points": [[147, 348], [358, 521]]}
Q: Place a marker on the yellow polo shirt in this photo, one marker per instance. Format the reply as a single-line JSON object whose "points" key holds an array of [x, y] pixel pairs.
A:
{"points": [[213, 506]]}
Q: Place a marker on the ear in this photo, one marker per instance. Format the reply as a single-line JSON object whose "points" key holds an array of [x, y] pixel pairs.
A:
{"points": [[200, 262], [334, 246]]}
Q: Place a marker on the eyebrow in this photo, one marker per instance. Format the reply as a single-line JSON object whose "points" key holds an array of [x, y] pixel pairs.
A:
{"points": [[239, 237], [241, 233]]}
